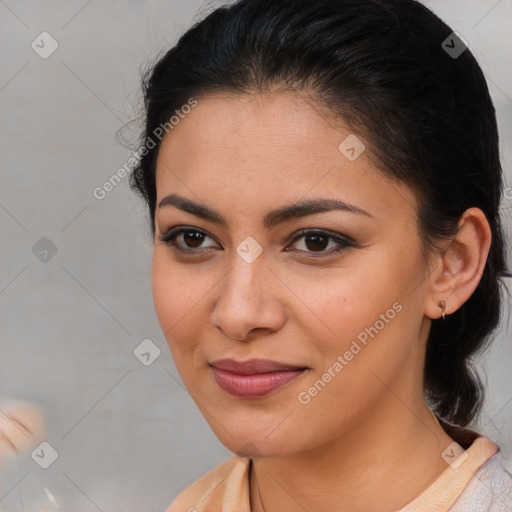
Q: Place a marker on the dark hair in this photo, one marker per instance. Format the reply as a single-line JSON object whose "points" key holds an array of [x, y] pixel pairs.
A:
{"points": [[425, 115]]}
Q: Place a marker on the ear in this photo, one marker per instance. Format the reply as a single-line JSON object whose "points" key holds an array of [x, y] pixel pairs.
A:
{"points": [[457, 269]]}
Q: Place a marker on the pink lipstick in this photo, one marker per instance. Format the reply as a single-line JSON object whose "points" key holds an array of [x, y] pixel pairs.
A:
{"points": [[254, 378]]}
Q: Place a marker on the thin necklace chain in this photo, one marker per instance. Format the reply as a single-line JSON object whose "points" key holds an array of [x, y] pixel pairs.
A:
{"points": [[257, 486]]}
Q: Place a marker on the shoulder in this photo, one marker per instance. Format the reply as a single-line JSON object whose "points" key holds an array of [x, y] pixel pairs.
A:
{"points": [[225, 487], [490, 488]]}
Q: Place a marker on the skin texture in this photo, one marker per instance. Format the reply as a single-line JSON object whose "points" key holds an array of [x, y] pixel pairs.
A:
{"points": [[369, 427], [21, 425]]}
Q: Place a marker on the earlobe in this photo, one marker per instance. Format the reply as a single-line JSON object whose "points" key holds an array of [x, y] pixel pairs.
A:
{"points": [[461, 265]]}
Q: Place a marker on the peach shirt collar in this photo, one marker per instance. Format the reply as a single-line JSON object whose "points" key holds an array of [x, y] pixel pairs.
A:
{"points": [[226, 487]]}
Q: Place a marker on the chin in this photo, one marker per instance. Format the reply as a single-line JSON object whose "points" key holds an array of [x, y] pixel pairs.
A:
{"points": [[256, 446]]}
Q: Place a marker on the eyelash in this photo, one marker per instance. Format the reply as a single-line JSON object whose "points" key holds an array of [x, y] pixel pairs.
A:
{"points": [[169, 238]]}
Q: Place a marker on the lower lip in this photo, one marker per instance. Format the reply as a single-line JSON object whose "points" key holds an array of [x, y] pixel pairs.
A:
{"points": [[253, 386]]}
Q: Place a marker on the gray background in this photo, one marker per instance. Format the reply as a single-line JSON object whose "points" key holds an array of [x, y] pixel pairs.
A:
{"points": [[129, 436]]}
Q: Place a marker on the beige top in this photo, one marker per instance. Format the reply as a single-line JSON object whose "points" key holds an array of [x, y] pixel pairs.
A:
{"points": [[226, 487]]}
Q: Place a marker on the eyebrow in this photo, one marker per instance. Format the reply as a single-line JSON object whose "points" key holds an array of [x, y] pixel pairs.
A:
{"points": [[271, 219]]}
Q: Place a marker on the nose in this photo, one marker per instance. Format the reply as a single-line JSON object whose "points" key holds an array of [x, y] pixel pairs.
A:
{"points": [[248, 303]]}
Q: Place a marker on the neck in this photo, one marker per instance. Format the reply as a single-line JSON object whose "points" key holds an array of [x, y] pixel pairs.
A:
{"points": [[359, 470]]}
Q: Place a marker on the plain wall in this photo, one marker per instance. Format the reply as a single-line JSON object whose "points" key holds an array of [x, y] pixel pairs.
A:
{"points": [[128, 436]]}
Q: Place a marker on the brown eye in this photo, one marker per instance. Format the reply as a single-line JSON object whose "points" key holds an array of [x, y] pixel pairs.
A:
{"points": [[191, 239], [318, 241]]}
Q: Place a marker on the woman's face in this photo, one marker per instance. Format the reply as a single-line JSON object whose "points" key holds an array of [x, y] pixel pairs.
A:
{"points": [[347, 312]]}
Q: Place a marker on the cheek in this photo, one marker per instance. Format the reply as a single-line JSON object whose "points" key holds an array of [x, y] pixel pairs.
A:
{"points": [[179, 300], [164, 293], [369, 348], [175, 294], [337, 306], [364, 316]]}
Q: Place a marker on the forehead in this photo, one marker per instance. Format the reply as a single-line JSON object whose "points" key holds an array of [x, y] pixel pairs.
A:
{"points": [[271, 149]]}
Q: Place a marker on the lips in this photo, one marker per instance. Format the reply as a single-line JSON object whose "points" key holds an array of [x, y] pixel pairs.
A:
{"points": [[253, 366], [254, 378]]}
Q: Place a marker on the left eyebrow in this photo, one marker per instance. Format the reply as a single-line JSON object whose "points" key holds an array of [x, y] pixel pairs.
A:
{"points": [[271, 219]]}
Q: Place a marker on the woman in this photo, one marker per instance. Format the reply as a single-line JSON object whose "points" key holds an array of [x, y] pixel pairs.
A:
{"points": [[323, 193]]}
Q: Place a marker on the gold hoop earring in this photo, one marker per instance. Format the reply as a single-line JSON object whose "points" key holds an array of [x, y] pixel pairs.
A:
{"points": [[442, 305]]}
